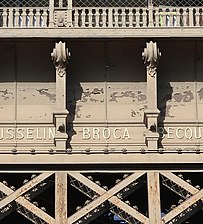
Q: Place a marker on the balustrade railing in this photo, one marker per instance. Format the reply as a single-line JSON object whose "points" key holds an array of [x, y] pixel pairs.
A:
{"points": [[64, 15], [24, 17], [110, 17]]}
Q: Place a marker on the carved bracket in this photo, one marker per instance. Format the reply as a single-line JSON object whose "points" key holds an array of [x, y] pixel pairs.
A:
{"points": [[60, 57], [151, 57]]}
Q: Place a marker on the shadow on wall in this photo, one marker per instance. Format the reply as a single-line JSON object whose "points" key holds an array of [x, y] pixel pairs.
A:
{"points": [[166, 91], [74, 93]]}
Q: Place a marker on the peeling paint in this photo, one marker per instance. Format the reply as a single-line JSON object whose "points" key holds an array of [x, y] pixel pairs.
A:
{"points": [[133, 113], [87, 94], [142, 97], [200, 93], [94, 100], [115, 97], [51, 96], [187, 96]]}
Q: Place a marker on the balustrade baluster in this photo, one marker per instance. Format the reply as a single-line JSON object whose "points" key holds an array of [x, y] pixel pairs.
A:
{"points": [[185, 17], [137, 18], [5, 17], [44, 18], [16, 18], [89, 16], [31, 15], [197, 17], [97, 17], [157, 18], [163, 18], [110, 17], [103, 16], [123, 18], [144, 14], [23, 16], [83, 14], [178, 17], [116, 14], [191, 17], [37, 17], [10, 18], [76, 18], [130, 18]]}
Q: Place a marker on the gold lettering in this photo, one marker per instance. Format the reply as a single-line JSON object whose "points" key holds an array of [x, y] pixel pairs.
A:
{"points": [[95, 133], [115, 133], [126, 134], [30, 133], [19, 134], [106, 133], [11, 134], [86, 133], [170, 133], [188, 133], [178, 130]]}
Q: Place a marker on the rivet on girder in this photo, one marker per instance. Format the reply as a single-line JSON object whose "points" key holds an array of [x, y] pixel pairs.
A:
{"points": [[25, 181], [105, 188], [135, 207], [180, 201], [198, 187], [98, 182], [188, 181], [13, 188], [5, 182], [27, 197], [127, 202], [180, 175], [125, 175], [78, 208], [35, 203], [188, 196], [87, 202], [14, 151], [119, 195], [173, 206], [95, 196], [90, 178], [43, 209], [96, 210], [32, 151], [33, 176], [51, 151], [118, 180]]}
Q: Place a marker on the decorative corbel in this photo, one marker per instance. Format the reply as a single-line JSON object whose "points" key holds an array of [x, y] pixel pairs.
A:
{"points": [[151, 57], [60, 57]]}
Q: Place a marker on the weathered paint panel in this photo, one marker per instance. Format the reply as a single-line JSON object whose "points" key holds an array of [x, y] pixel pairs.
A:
{"points": [[35, 101], [126, 101]]}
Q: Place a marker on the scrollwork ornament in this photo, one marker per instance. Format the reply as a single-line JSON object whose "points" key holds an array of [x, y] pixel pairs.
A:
{"points": [[151, 71], [60, 57], [151, 57]]}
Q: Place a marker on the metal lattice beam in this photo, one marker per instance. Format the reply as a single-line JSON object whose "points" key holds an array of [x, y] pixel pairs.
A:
{"points": [[183, 207], [28, 205], [107, 206], [107, 196], [22, 190], [22, 210]]}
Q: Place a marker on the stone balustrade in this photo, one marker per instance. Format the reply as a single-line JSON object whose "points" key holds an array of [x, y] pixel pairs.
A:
{"points": [[24, 17], [101, 17]]}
